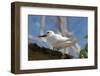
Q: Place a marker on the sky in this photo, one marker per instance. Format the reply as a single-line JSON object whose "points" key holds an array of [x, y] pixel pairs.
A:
{"points": [[77, 25]]}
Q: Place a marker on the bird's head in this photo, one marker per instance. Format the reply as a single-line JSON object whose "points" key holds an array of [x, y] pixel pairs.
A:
{"points": [[48, 34]]}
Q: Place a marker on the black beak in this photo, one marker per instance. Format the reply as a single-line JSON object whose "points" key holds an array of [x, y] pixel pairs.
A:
{"points": [[43, 36]]}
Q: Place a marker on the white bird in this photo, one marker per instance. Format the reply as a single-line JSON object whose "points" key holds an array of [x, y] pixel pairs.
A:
{"points": [[57, 41]]}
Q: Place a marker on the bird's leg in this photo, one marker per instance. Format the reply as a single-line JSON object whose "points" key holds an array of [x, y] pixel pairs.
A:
{"points": [[64, 53], [50, 47], [54, 49], [63, 56]]}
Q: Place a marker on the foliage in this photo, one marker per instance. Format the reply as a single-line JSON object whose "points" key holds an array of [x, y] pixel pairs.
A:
{"points": [[84, 51]]}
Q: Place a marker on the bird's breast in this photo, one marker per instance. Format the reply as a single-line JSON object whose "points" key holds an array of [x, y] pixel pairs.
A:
{"points": [[51, 41]]}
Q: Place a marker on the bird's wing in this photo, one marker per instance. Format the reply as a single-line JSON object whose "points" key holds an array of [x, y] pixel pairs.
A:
{"points": [[62, 37], [62, 43]]}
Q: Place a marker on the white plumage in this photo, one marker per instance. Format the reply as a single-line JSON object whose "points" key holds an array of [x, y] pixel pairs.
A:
{"points": [[57, 41]]}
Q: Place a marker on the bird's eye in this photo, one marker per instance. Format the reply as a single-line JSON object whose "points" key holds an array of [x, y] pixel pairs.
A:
{"points": [[47, 32]]}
